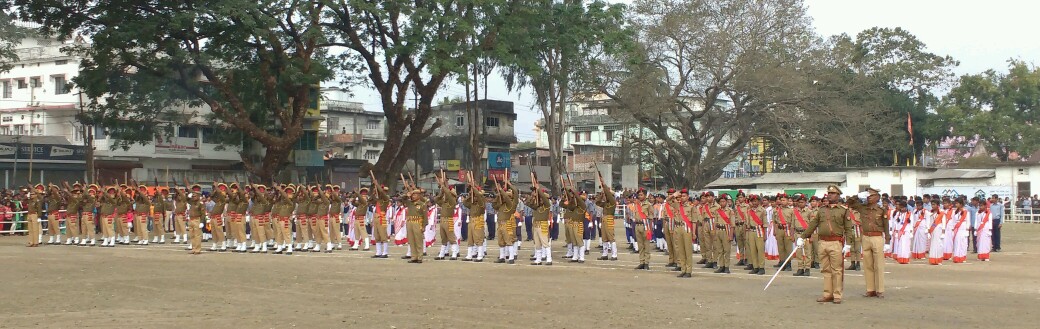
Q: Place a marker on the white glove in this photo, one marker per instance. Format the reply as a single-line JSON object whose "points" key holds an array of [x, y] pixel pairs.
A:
{"points": [[846, 249], [201, 225], [590, 224], [247, 218], [130, 225], [799, 243], [190, 195], [863, 195], [520, 224], [888, 247]]}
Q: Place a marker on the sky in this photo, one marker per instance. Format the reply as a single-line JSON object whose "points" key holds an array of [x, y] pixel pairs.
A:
{"points": [[981, 35]]}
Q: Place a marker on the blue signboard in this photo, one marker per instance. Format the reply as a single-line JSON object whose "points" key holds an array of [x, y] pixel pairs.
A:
{"points": [[498, 160]]}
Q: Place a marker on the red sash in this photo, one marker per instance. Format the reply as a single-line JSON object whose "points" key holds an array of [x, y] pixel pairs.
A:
{"points": [[758, 222], [902, 229], [801, 221], [783, 222], [741, 214], [682, 211], [964, 215], [920, 218], [936, 222], [671, 216], [725, 218], [646, 226], [983, 223]]}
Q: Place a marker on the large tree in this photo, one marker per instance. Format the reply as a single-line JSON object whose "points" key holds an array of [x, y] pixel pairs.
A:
{"points": [[998, 109], [10, 36], [553, 56], [407, 49], [709, 76], [253, 64]]}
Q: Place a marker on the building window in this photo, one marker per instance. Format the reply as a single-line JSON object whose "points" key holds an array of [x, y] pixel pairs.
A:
{"points": [[100, 133], [188, 132], [19, 129], [36, 130], [372, 124], [460, 121], [208, 135], [491, 122], [577, 137], [588, 136], [6, 85], [8, 118], [77, 133], [21, 83], [61, 62], [371, 155], [61, 87], [610, 135], [35, 82], [5, 130], [332, 124]]}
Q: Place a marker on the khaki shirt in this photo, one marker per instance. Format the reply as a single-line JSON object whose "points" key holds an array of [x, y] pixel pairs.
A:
{"points": [[831, 221], [873, 219]]}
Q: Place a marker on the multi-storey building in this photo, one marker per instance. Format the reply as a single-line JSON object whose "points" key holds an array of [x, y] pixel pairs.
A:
{"points": [[449, 148]]}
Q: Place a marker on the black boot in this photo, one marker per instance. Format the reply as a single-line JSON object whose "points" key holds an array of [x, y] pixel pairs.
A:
{"points": [[816, 265], [761, 271], [707, 265], [641, 267], [726, 269], [852, 266], [858, 266], [714, 264], [721, 270], [741, 263], [799, 273], [778, 264], [806, 273], [671, 265], [703, 261], [753, 271], [749, 267], [788, 267]]}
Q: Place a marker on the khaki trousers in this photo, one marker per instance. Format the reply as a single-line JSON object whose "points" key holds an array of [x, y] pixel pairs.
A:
{"points": [[669, 242], [303, 225], [475, 231], [141, 226], [179, 226], [379, 230], [606, 232], [195, 234], [541, 234], [284, 229], [803, 255], [831, 262], [643, 242], [271, 229], [34, 229], [742, 242], [359, 229], [507, 232], [53, 224], [723, 247], [159, 225], [216, 227], [237, 227], [121, 228], [415, 238], [446, 231], [874, 262], [856, 253], [321, 229], [707, 235], [107, 229], [72, 226], [783, 244], [756, 250], [682, 241], [87, 225], [335, 232], [259, 234]]}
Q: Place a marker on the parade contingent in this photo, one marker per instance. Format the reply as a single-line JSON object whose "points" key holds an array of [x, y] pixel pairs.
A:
{"points": [[800, 232]]}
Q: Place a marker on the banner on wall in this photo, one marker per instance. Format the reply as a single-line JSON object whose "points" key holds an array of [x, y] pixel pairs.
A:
{"points": [[1004, 191]]}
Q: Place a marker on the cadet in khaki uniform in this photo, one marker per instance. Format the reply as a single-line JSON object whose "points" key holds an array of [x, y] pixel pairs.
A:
{"points": [[381, 198], [416, 215], [606, 201], [683, 231], [180, 216], [642, 209], [142, 209], [505, 207], [706, 229], [739, 228], [216, 217], [668, 217], [782, 229], [723, 230], [538, 201], [446, 199], [834, 227], [86, 215], [335, 215], [303, 220], [236, 226], [196, 212], [874, 223], [34, 207], [52, 198], [74, 199], [107, 211], [122, 206], [856, 254], [261, 214], [800, 222], [319, 214], [160, 207], [283, 211], [476, 203], [756, 233]]}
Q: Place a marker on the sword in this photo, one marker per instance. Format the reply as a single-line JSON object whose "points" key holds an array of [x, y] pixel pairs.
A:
{"points": [[782, 268]]}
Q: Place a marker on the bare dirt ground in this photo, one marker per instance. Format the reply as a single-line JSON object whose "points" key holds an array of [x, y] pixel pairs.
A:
{"points": [[165, 287]]}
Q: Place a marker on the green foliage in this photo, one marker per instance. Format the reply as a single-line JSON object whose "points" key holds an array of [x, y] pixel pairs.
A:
{"points": [[999, 109], [10, 36]]}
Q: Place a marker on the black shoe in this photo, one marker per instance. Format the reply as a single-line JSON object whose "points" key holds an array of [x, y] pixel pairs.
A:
{"points": [[641, 267], [454, 258], [688, 275], [799, 273], [613, 258], [753, 271], [581, 262], [548, 263], [852, 267], [602, 258], [721, 270], [572, 260], [741, 263], [376, 256], [815, 265], [761, 271], [714, 265], [726, 269], [806, 273], [406, 257], [438, 258], [702, 261], [511, 262], [478, 260], [586, 252], [500, 261], [676, 269], [671, 265], [415, 261], [787, 268], [384, 256], [749, 267], [532, 258], [706, 265], [859, 266]]}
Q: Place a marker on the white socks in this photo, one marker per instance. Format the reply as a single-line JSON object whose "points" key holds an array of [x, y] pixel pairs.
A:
{"points": [[444, 248], [547, 252], [455, 251]]}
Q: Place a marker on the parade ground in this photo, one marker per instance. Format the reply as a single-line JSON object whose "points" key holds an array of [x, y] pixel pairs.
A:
{"points": [[162, 286]]}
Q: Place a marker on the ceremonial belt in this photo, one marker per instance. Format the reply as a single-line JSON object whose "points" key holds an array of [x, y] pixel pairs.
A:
{"points": [[671, 215], [725, 218], [758, 223], [832, 238], [649, 233], [873, 233], [783, 222]]}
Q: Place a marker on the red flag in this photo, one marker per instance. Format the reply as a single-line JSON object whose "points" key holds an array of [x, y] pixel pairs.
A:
{"points": [[910, 127]]}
